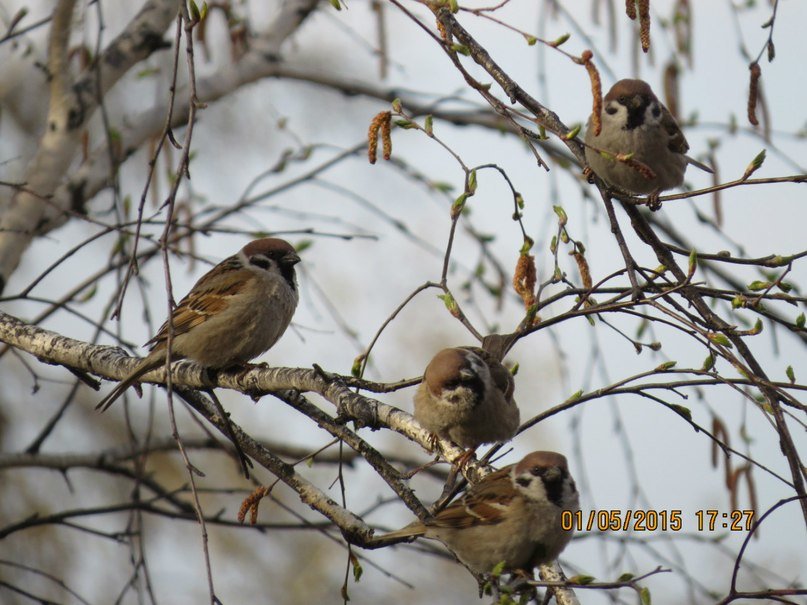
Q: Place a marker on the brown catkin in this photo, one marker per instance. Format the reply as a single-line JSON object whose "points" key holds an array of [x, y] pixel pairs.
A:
{"points": [[524, 279], [380, 123], [644, 24], [753, 92], [596, 90], [386, 137], [582, 267], [671, 88], [630, 8]]}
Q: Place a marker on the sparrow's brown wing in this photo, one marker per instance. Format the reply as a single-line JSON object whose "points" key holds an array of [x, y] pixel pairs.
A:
{"points": [[677, 142], [208, 297], [483, 504]]}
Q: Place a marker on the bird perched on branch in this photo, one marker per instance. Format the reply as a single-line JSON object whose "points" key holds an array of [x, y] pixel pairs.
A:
{"points": [[467, 396], [512, 516], [637, 127], [235, 312]]}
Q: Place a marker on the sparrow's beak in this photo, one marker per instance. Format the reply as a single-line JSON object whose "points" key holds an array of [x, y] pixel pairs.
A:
{"points": [[290, 258]]}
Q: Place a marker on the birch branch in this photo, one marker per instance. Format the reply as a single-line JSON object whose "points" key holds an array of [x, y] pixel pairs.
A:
{"points": [[71, 106], [112, 363]]}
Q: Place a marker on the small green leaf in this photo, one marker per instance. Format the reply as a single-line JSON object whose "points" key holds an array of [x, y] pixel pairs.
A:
{"points": [[575, 396], [357, 569], [355, 369], [693, 262], [458, 205], [755, 164], [562, 217], [396, 105], [800, 320], [682, 410], [472, 182], [791, 375], [441, 186], [720, 339], [149, 71], [526, 246], [498, 569], [450, 303], [708, 363], [336, 4], [573, 132], [194, 10], [453, 6], [531, 40], [89, 294], [553, 244], [303, 244], [461, 49], [428, 124], [625, 577], [756, 286], [640, 330], [519, 201], [581, 579], [644, 595], [405, 124], [667, 365], [558, 41], [514, 369]]}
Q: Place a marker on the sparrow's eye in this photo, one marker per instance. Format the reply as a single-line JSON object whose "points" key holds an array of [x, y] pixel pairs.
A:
{"points": [[623, 100], [552, 475], [523, 481], [260, 261], [610, 110], [656, 111]]}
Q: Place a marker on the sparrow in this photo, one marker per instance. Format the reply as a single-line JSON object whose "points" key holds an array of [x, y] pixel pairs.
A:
{"points": [[512, 515], [467, 396], [635, 122], [235, 312]]}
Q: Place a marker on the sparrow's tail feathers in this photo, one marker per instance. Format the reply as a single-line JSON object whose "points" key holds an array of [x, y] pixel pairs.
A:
{"points": [[700, 165], [124, 384], [413, 530]]}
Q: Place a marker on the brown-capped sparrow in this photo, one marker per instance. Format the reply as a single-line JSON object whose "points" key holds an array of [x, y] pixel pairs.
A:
{"points": [[635, 122], [512, 515], [467, 396], [235, 312]]}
